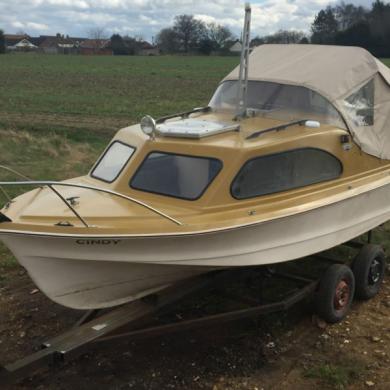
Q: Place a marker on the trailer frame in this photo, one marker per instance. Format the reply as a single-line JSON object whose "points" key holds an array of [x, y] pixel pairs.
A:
{"points": [[100, 327]]}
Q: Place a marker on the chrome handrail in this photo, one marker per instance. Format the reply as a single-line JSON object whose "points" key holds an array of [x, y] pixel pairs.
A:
{"points": [[15, 172], [5, 193], [50, 184]]}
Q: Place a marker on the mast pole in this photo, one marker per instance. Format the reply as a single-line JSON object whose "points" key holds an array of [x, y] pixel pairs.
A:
{"points": [[244, 65]]}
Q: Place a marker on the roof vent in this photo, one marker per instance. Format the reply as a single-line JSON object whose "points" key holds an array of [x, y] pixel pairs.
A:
{"points": [[194, 128]]}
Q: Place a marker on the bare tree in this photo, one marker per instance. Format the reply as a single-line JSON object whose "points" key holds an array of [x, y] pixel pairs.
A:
{"points": [[218, 35], [168, 41], [285, 36], [98, 37], [189, 31], [348, 15]]}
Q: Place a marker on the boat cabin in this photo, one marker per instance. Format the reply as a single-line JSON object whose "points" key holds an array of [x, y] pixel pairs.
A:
{"points": [[306, 127], [315, 129]]}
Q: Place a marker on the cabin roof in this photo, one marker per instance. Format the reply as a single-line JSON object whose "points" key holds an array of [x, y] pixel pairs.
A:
{"points": [[333, 71], [341, 75]]}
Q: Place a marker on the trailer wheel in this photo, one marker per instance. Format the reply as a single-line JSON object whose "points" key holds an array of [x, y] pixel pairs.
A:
{"points": [[369, 270], [335, 293]]}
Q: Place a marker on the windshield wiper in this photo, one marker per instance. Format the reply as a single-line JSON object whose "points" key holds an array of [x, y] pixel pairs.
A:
{"points": [[183, 115], [301, 122]]}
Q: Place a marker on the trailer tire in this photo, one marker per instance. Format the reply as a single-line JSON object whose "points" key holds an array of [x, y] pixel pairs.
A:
{"points": [[369, 269], [335, 293]]}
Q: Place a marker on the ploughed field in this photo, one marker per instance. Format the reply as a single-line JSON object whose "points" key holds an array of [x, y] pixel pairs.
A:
{"points": [[57, 113]]}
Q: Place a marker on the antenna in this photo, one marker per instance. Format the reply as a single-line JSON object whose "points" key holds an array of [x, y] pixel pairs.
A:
{"points": [[244, 65]]}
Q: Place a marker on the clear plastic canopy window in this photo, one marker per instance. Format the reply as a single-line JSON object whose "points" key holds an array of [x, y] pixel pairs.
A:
{"points": [[278, 101], [360, 105]]}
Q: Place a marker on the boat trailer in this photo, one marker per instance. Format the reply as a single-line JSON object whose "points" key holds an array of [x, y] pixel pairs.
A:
{"points": [[133, 321]]}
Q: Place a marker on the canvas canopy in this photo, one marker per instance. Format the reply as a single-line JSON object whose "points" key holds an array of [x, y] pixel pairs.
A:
{"points": [[350, 78]]}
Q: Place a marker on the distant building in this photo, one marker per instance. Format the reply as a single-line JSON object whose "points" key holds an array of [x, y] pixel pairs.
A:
{"points": [[236, 48], [59, 44], [96, 47], [148, 49], [15, 42]]}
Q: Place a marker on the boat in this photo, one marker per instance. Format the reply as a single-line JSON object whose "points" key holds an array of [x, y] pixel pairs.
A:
{"points": [[290, 157]]}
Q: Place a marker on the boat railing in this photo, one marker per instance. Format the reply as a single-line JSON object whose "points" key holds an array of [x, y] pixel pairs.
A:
{"points": [[68, 202], [15, 172]]}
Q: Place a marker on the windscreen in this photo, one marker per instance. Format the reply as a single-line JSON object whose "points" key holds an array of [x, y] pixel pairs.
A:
{"points": [[278, 101], [113, 161], [185, 177]]}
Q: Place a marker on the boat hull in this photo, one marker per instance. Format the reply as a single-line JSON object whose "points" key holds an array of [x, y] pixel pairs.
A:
{"points": [[95, 272]]}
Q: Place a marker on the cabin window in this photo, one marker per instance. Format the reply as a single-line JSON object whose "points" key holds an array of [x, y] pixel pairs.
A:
{"points": [[180, 176], [284, 171], [113, 161], [360, 105]]}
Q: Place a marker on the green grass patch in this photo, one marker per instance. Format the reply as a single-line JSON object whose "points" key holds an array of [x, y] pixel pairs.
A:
{"points": [[117, 86], [386, 61], [47, 155], [7, 263], [336, 376]]}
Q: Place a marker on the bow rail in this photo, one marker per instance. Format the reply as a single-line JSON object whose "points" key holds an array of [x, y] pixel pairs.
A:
{"points": [[52, 184]]}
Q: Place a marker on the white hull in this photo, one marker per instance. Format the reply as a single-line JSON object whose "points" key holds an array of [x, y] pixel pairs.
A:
{"points": [[87, 272]]}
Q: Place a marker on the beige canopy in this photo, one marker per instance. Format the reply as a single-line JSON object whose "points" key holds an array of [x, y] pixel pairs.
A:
{"points": [[354, 81]]}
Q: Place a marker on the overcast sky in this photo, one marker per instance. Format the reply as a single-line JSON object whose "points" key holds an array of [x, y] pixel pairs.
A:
{"points": [[146, 17]]}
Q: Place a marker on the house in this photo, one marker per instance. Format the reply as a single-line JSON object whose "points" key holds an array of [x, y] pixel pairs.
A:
{"points": [[96, 47], [236, 47], [14, 42], [59, 44], [148, 49]]}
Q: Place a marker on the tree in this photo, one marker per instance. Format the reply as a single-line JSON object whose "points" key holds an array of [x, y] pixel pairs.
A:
{"points": [[358, 34], [257, 41], [189, 31], [356, 26], [379, 20], [133, 44], [2, 42], [118, 45], [168, 41], [206, 46], [284, 36], [324, 27], [348, 15], [98, 38], [217, 36]]}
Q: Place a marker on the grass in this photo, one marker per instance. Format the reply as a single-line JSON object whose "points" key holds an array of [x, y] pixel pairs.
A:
{"points": [[386, 61], [7, 263], [336, 376], [122, 87]]}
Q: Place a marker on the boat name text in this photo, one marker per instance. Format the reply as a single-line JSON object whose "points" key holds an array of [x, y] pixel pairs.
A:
{"points": [[98, 242]]}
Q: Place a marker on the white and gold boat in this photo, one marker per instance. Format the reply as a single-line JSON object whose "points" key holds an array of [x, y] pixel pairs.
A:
{"points": [[290, 161]]}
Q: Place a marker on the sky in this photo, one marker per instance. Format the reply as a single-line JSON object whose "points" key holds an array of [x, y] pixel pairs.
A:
{"points": [[144, 18]]}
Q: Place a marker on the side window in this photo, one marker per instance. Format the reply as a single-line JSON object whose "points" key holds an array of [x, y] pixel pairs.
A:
{"points": [[360, 105], [113, 161], [179, 176], [284, 171]]}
